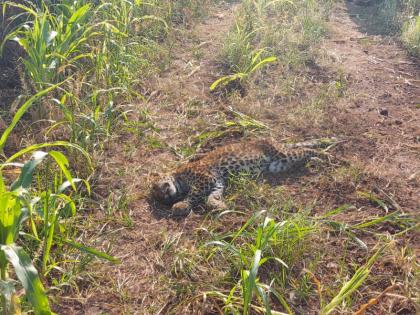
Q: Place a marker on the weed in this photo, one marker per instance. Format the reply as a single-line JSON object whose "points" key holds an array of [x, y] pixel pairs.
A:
{"points": [[350, 286]]}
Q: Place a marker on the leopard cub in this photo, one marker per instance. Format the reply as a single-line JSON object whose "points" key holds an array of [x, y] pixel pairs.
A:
{"points": [[203, 181]]}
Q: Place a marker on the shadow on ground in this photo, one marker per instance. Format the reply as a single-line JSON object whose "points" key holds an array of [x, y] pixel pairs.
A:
{"points": [[373, 17]]}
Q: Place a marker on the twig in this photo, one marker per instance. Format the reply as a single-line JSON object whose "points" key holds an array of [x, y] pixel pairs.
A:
{"points": [[362, 310]]}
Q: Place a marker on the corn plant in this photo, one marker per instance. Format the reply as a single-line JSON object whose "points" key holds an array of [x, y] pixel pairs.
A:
{"points": [[46, 212], [14, 211], [21, 111], [12, 216], [101, 50], [53, 37], [256, 63]]}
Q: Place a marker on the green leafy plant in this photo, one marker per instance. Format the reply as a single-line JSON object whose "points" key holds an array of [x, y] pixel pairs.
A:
{"points": [[353, 284], [256, 63], [249, 249], [21, 203], [14, 211]]}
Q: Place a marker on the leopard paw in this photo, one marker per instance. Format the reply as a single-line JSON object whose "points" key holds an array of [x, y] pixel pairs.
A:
{"points": [[180, 209]]}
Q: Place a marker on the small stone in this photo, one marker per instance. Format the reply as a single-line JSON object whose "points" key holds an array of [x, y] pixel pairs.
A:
{"points": [[383, 111], [398, 122]]}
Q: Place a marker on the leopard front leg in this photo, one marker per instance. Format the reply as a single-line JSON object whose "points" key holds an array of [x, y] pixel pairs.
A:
{"points": [[215, 199], [181, 208], [192, 202]]}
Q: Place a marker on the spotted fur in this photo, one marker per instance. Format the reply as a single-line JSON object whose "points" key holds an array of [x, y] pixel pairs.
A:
{"points": [[203, 181]]}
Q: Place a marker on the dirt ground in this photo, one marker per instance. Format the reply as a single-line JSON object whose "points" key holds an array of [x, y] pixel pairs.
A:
{"points": [[379, 116]]}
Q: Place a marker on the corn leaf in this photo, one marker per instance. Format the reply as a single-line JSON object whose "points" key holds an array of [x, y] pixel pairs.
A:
{"points": [[25, 178], [29, 278], [63, 163], [22, 110], [46, 145]]}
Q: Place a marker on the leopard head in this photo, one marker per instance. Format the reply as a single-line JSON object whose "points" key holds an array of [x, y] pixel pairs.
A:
{"points": [[165, 190]]}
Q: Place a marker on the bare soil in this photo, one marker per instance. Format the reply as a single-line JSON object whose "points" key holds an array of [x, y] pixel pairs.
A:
{"points": [[378, 115]]}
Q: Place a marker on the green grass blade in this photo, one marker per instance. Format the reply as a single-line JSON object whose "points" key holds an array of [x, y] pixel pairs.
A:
{"points": [[63, 163], [250, 282], [353, 284], [91, 251], [335, 211], [376, 221], [22, 110]]}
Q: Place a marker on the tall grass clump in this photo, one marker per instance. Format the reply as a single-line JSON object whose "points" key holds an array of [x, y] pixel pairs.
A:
{"points": [[268, 31], [241, 56], [293, 30], [392, 14], [261, 254], [271, 262], [410, 35]]}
